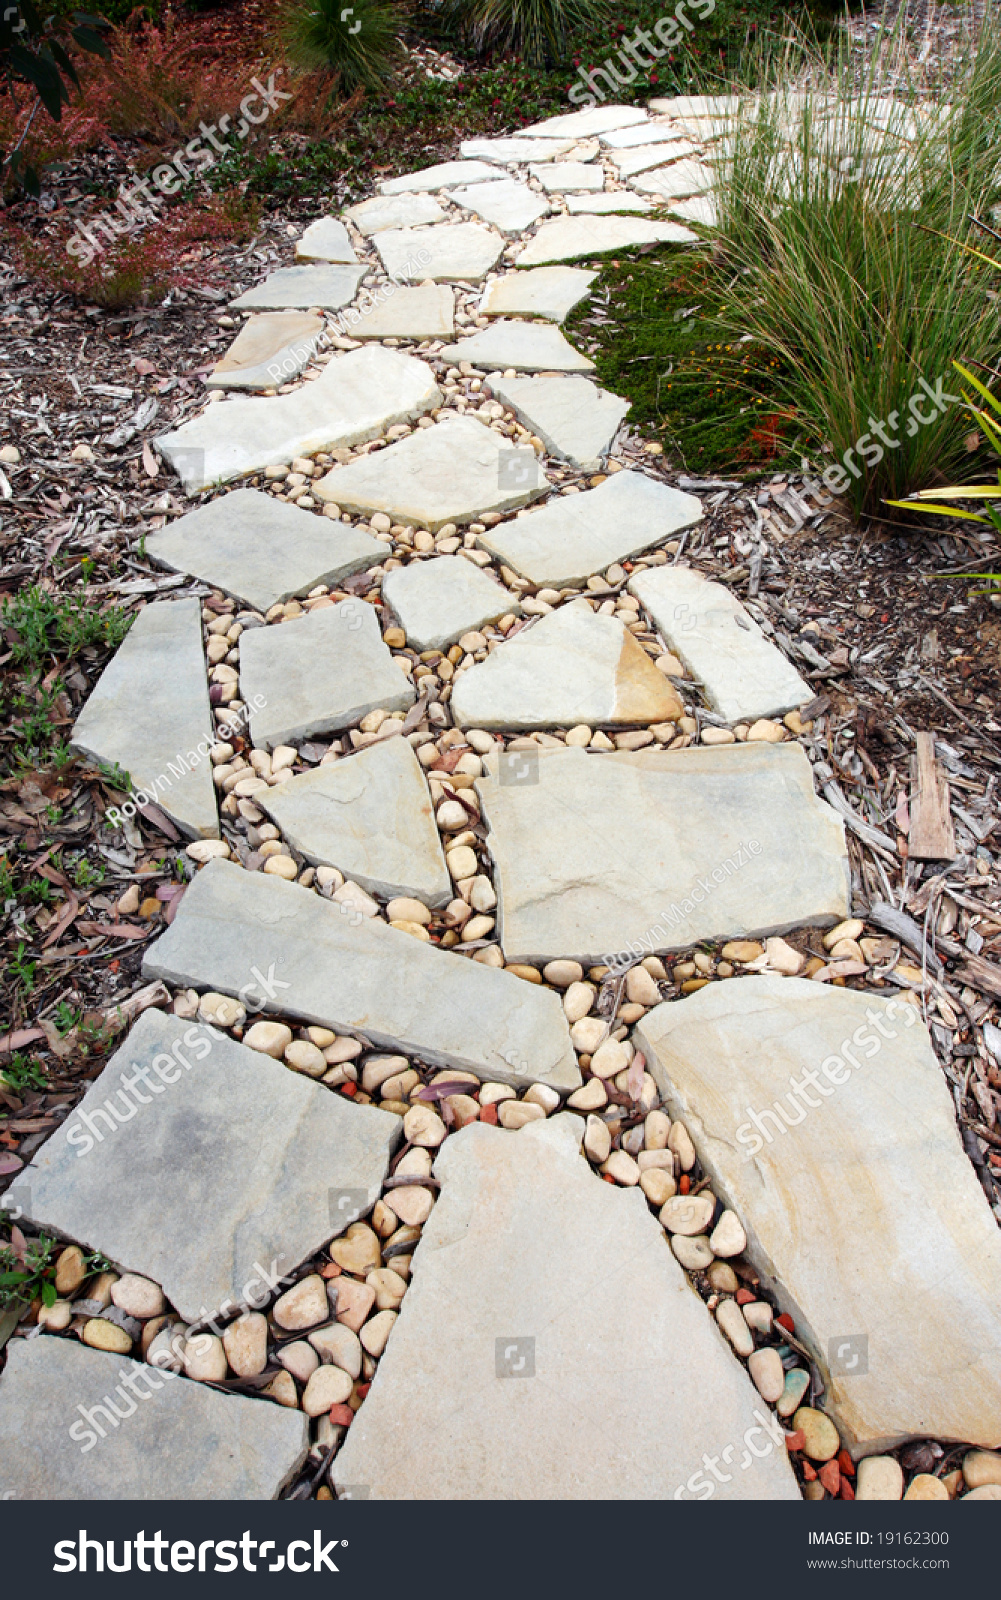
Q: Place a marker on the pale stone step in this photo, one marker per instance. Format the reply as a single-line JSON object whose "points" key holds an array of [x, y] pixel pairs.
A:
{"points": [[357, 974], [262, 550], [569, 667], [453, 252], [569, 238], [444, 175], [700, 208], [160, 665], [569, 176], [713, 106], [574, 536], [326, 239], [744, 674], [581, 124], [452, 472], [505, 150], [427, 312], [526, 346], [824, 1120], [599, 205], [534, 1285], [629, 162], [545, 292], [270, 349], [676, 181], [318, 673], [438, 600], [575, 420], [182, 1441], [319, 285], [356, 397], [371, 817], [509, 205], [394, 211], [652, 132], [605, 856], [221, 1166]]}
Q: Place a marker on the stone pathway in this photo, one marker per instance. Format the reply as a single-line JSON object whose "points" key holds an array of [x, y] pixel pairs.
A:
{"points": [[421, 1143]]}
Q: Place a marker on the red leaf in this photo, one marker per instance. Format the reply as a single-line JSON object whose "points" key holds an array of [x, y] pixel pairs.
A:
{"points": [[9, 1163]]}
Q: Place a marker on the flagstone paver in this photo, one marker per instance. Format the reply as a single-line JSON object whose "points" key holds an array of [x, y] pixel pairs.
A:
{"points": [[574, 536], [681, 178], [329, 287], [575, 420], [452, 472], [543, 292], [699, 208], [453, 252], [600, 854], [370, 816], [224, 1166], [864, 1215], [357, 974], [444, 175], [509, 205], [394, 211], [262, 550], [319, 673], [629, 162], [569, 667], [426, 312], [564, 176], [599, 205], [581, 124], [569, 238], [745, 675], [325, 240], [356, 397], [180, 1441], [165, 752], [487, 1388], [271, 348], [652, 132], [515, 149], [436, 601], [527, 346]]}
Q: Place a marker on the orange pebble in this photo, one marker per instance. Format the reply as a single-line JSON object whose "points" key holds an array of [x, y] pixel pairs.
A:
{"points": [[808, 1472], [684, 1183], [830, 1476], [846, 1464], [846, 1491], [343, 1416], [489, 1114], [350, 1089], [795, 1441]]}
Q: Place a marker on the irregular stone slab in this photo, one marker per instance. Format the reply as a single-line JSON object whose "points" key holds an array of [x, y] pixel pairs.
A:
{"points": [[652, 132], [427, 312], [575, 420], [326, 239], [712, 106], [528, 346], [629, 162], [399, 211], [226, 1162], [509, 205], [357, 397], [436, 601], [371, 817], [581, 124], [679, 179], [166, 753], [182, 1440], [262, 550], [569, 667], [896, 1286], [547, 292], [454, 252], [507, 150], [700, 208], [495, 1342], [599, 205], [569, 238], [574, 536], [319, 673], [320, 285], [744, 674], [607, 857], [269, 349], [450, 473], [445, 175], [360, 975], [567, 176]]}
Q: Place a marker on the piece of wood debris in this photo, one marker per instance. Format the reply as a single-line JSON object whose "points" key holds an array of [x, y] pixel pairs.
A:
{"points": [[932, 836]]}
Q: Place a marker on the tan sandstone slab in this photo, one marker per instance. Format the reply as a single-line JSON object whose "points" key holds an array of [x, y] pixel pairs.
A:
{"points": [[570, 238], [605, 857], [271, 348], [394, 211], [550, 292], [532, 1279], [424, 312], [825, 1122]]}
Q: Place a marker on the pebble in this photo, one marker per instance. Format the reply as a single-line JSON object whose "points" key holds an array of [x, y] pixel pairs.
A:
{"points": [[587, 1034], [482, 895], [796, 1384], [451, 816], [852, 929], [389, 1288], [328, 1386], [403, 909], [656, 1130], [987, 1491], [338, 1345], [304, 1305], [925, 1487], [610, 1058], [137, 1297], [640, 987], [207, 849], [819, 1433], [621, 1166], [593, 1096], [167, 1347], [245, 1342], [693, 1254], [767, 1373], [516, 1113], [662, 1159], [758, 1316], [541, 1094], [56, 1317], [358, 1250], [422, 1125], [492, 1093], [765, 731], [657, 1184], [980, 1467], [879, 1478], [783, 958], [10, 455], [282, 1388], [597, 1139], [70, 1271], [680, 1144], [305, 1057], [563, 973], [728, 1237], [723, 1279], [300, 1359], [354, 1302], [221, 1010], [349, 894], [578, 1000], [731, 1321], [271, 1038], [204, 1358], [461, 862], [378, 1070], [688, 1213], [376, 1332], [102, 1335]]}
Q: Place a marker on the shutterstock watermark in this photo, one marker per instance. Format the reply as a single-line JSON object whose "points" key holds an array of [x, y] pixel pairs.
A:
{"points": [[86, 1131], [647, 943], [668, 30], [702, 1484], [344, 321], [185, 763]]}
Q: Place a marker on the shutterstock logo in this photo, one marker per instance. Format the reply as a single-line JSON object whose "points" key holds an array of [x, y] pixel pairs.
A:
{"points": [[179, 1555]]}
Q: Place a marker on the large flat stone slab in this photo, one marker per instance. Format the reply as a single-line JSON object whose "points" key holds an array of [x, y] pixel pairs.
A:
{"points": [[487, 1389], [427, 312], [394, 211], [371, 817], [436, 601], [744, 674], [326, 239], [150, 713], [319, 673], [262, 550], [574, 536], [509, 205], [526, 346], [328, 287], [674, 182], [653, 132], [545, 292], [569, 176], [221, 1168], [515, 149], [599, 205], [569, 667], [699, 208], [270, 349], [569, 238], [449, 473], [444, 175], [356, 398], [575, 420], [361, 975], [182, 1441], [612, 855], [629, 162], [865, 1216], [582, 124], [452, 252]]}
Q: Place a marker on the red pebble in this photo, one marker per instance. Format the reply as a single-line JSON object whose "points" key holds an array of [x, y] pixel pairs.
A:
{"points": [[830, 1476], [808, 1472], [361, 1390], [846, 1491], [331, 1270], [350, 1089], [795, 1441], [846, 1464], [743, 1297], [684, 1183], [343, 1416], [607, 1178], [785, 1321], [489, 1114]]}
